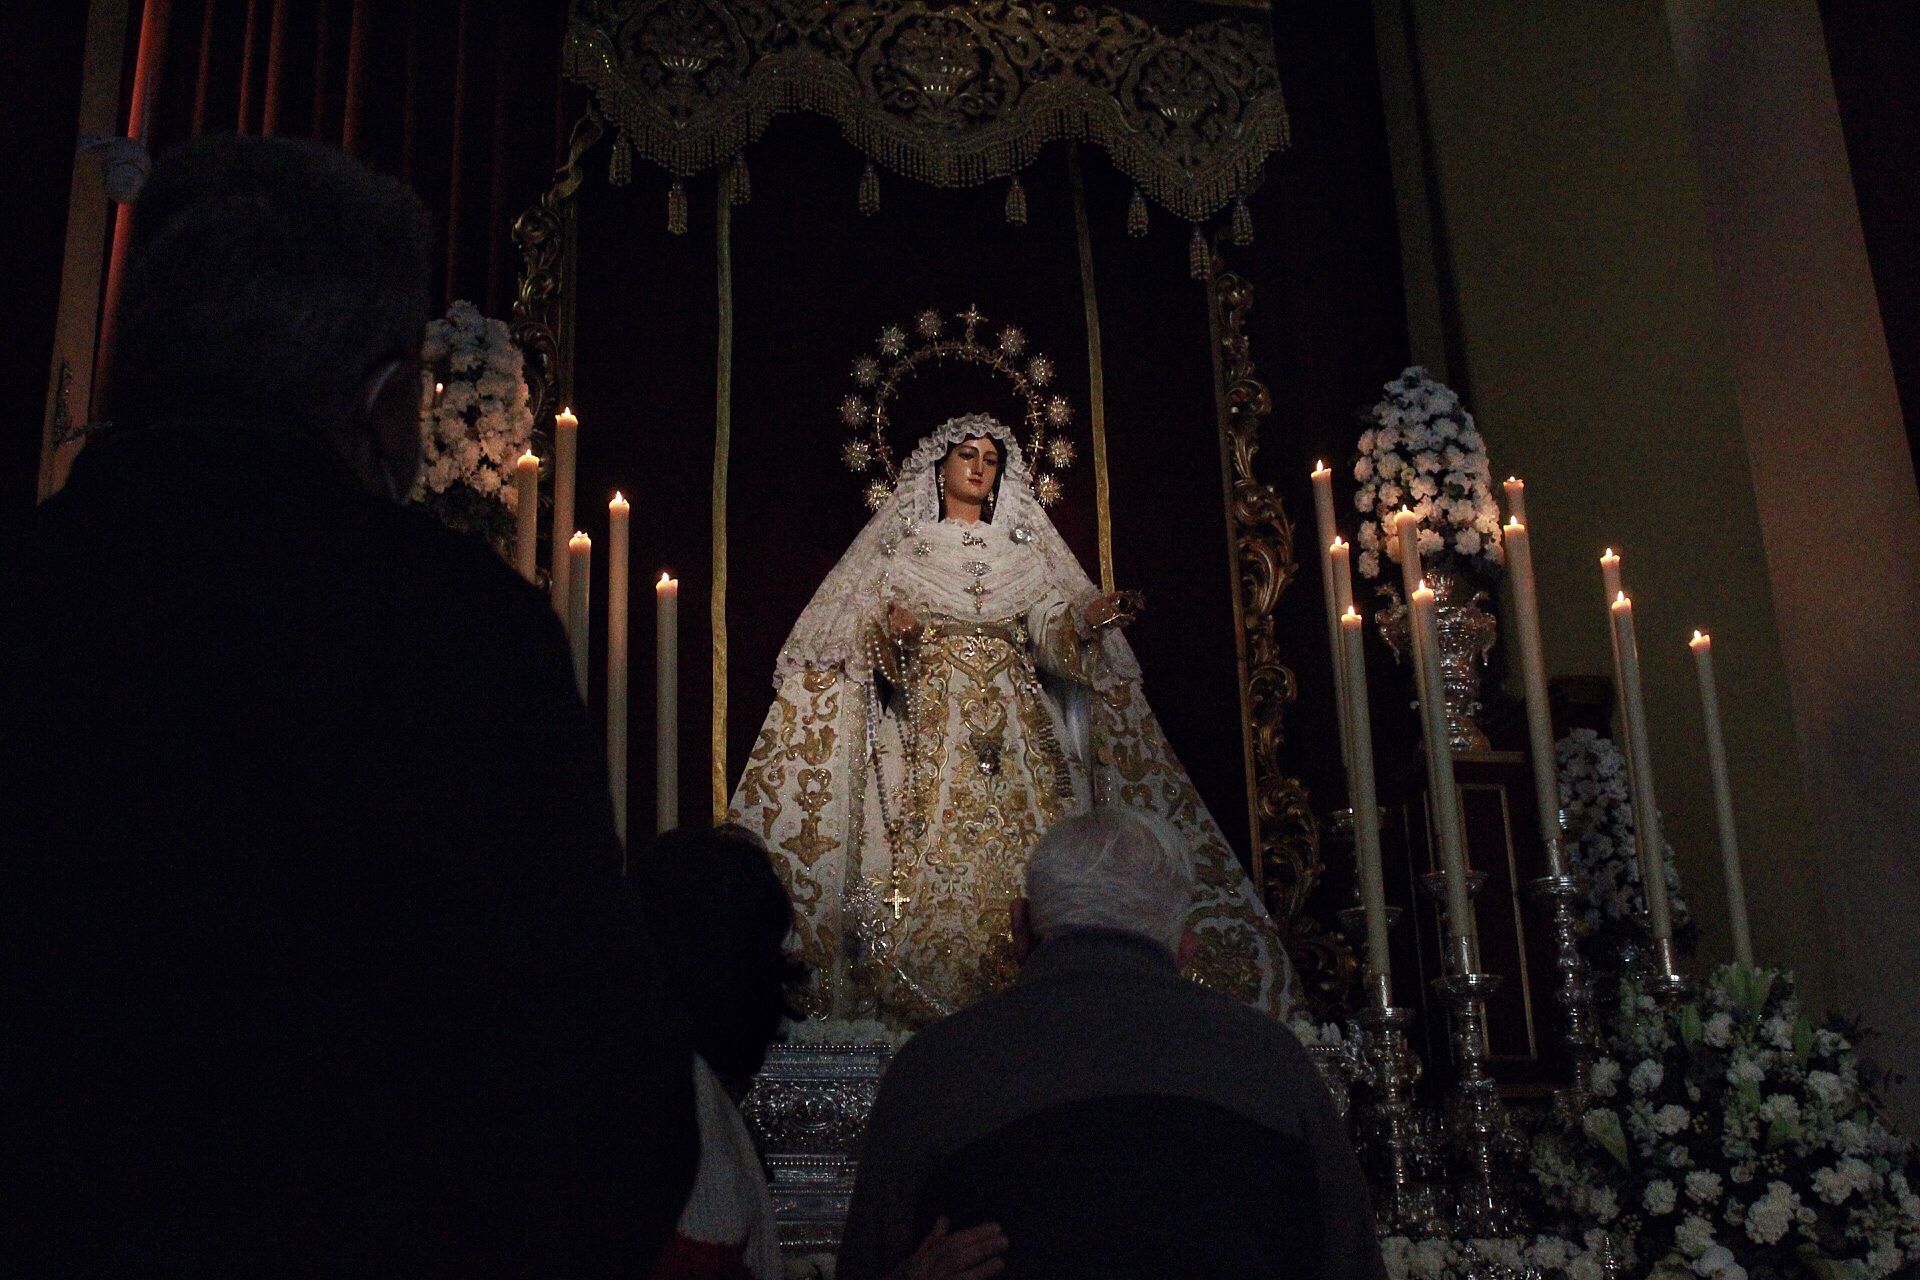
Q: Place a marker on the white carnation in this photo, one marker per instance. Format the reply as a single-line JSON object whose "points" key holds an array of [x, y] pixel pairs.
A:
{"points": [[1704, 1186], [1769, 1217], [1604, 1077], [1671, 1119], [1694, 1235], [1659, 1197], [1718, 1030], [1646, 1077]]}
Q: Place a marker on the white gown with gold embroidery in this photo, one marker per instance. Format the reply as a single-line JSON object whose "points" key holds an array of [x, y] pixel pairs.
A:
{"points": [[901, 786]]}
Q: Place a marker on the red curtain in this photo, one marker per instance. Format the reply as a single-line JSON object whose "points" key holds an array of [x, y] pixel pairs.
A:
{"points": [[460, 99]]}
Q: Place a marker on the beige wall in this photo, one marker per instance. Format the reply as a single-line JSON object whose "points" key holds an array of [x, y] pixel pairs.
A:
{"points": [[1575, 250], [1831, 468]]}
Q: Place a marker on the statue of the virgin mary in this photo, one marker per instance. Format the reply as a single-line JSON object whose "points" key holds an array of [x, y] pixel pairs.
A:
{"points": [[955, 687]]}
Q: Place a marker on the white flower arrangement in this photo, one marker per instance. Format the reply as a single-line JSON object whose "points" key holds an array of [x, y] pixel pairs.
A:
{"points": [[1594, 796], [1422, 452], [1756, 1153], [1547, 1255], [477, 426]]}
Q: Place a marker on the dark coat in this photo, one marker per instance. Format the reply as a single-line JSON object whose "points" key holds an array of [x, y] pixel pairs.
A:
{"points": [[313, 907], [1116, 1120]]}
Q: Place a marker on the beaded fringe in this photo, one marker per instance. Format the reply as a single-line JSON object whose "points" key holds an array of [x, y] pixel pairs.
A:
{"points": [[1199, 256], [1242, 223], [1137, 215], [869, 190], [620, 168], [739, 181], [677, 208], [1016, 202]]}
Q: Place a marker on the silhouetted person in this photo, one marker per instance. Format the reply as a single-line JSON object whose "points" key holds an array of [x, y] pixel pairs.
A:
{"points": [[319, 950], [1114, 1118]]}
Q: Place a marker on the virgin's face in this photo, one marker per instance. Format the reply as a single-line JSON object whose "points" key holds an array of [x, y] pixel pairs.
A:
{"points": [[970, 470]]}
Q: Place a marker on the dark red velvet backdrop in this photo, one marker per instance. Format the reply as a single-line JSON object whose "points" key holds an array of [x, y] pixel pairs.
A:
{"points": [[460, 99], [815, 281]]}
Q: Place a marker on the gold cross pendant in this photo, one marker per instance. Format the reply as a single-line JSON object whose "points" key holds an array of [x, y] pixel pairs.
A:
{"points": [[897, 901]]}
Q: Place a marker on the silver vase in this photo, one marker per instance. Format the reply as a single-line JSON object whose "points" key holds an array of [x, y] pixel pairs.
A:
{"points": [[1467, 633]]}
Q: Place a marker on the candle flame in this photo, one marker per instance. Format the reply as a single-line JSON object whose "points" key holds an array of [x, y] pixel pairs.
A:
{"points": [[528, 456], [1608, 555], [1423, 586], [439, 387], [617, 498], [1351, 615], [1319, 465], [1337, 542], [1621, 598], [1514, 480], [1513, 522], [664, 579], [1700, 637]]}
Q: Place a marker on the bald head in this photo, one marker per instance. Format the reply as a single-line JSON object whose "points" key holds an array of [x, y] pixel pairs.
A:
{"points": [[1115, 867]]}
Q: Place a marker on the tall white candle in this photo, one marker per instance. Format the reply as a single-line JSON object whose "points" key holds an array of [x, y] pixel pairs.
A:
{"points": [[1646, 812], [619, 519], [1322, 477], [1516, 490], [1533, 679], [1340, 572], [526, 516], [1366, 809], [566, 441], [1405, 528], [1440, 783], [1702, 646], [1622, 731], [666, 701], [579, 561]]}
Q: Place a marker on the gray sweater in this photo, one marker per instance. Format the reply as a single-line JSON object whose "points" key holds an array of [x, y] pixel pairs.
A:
{"points": [[1102, 1032]]}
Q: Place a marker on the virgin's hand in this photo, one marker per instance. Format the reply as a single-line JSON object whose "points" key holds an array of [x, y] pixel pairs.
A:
{"points": [[902, 622], [973, 1254], [1107, 611]]}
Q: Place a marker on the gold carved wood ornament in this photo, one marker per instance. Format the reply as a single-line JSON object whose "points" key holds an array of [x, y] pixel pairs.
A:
{"points": [[949, 94]]}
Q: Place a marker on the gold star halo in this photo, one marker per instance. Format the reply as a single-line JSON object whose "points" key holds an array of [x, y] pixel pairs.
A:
{"points": [[969, 339]]}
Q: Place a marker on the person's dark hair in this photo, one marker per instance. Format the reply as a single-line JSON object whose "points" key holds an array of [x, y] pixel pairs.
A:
{"points": [[993, 499], [719, 918], [267, 278]]}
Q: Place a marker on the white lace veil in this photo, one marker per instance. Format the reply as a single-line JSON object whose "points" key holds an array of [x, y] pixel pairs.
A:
{"points": [[831, 631]]}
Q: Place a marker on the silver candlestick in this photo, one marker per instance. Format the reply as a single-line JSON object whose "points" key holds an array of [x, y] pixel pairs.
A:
{"points": [[1482, 1130], [1563, 893], [1665, 982], [1393, 1069]]}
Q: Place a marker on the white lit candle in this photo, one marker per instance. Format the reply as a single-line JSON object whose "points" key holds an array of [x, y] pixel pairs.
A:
{"points": [[1646, 813], [1702, 646], [619, 518], [666, 701], [1516, 491], [1440, 785], [526, 516], [1533, 679], [566, 440], [1404, 526], [1338, 558], [1366, 810], [1622, 731], [579, 562], [1322, 477]]}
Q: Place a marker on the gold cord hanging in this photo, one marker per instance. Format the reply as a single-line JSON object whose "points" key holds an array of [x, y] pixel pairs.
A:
{"points": [[739, 181]]}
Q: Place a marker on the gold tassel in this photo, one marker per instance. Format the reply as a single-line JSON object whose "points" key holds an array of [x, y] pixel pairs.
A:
{"points": [[1137, 215], [677, 208], [1242, 223], [620, 169], [1016, 202], [1199, 256], [739, 181], [869, 190]]}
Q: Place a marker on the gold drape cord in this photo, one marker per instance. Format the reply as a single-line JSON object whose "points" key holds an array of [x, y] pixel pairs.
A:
{"points": [[722, 444], [1096, 372]]}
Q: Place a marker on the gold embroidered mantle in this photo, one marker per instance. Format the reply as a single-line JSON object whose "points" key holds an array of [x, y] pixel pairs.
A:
{"points": [[950, 94]]}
